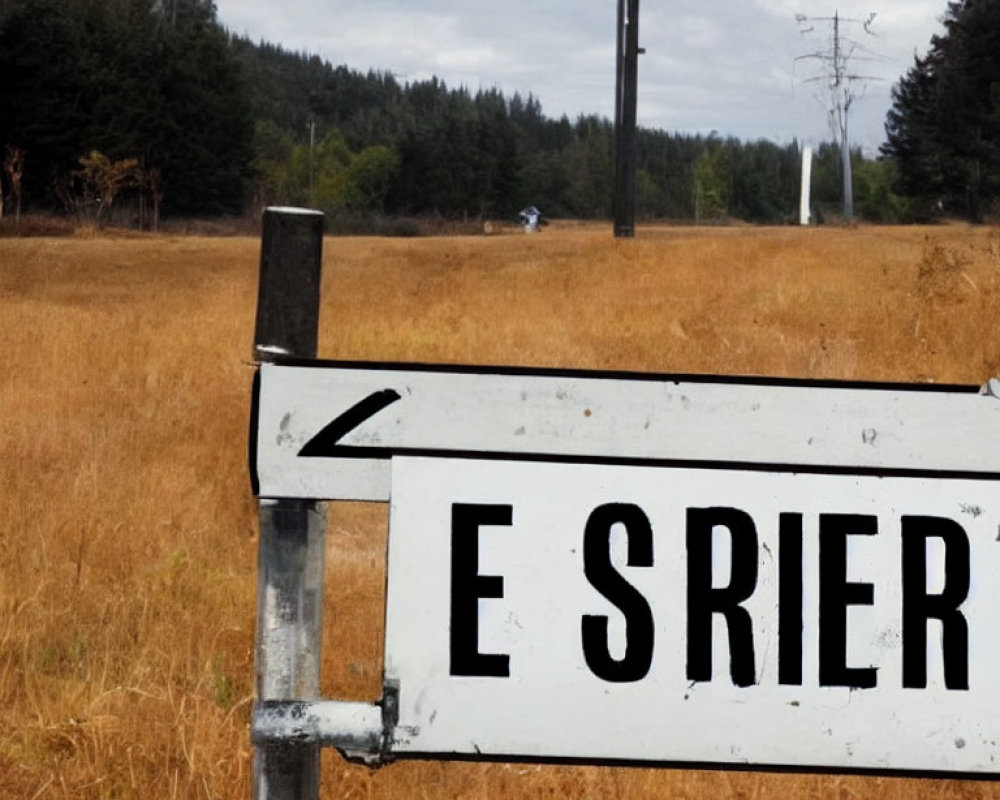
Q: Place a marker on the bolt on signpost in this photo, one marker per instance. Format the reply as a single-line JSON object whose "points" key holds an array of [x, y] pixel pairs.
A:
{"points": [[615, 566]]}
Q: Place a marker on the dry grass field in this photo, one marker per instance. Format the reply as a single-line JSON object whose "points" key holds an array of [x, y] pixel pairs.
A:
{"points": [[127, 529]]}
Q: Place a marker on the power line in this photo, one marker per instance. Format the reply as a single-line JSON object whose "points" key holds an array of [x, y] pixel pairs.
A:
{"points": [[843, 85]]}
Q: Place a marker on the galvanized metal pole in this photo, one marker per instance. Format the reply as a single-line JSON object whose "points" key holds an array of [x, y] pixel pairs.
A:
{"points": [[290, 559], [626, 92]]}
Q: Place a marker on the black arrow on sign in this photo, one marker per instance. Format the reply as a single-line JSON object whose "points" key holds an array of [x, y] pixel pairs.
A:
{"points": [[325, 443]]}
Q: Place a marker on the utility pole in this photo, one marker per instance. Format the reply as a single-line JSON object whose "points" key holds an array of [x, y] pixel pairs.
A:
{"points": [[626, 79], [841, 86], [312, 145]]}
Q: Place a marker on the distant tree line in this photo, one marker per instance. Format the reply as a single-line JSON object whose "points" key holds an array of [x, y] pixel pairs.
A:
{"points": [[425, 148], [143, 107]]}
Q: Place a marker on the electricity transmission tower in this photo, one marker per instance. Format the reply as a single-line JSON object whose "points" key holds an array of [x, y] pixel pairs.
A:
{"points": [[843, 85]]}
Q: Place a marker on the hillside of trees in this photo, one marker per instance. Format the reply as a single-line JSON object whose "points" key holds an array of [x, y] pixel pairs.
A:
{"points": [[161, 99], [943, 131], [133, 109]]}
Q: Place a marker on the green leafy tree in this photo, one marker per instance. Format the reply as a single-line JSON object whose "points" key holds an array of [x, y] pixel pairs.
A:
{"points": [[370, 174], [711, 182], [590, 167], [272, 159], [764, 180], [331, 160], [650, 201], [873, 189], [100, 181]]}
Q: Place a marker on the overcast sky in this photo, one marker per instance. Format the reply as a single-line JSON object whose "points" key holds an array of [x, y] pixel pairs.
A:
{"points": [[723, 65]]}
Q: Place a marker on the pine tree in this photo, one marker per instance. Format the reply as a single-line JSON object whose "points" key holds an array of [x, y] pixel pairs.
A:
{"points": [[943, 129], [130, 79]]}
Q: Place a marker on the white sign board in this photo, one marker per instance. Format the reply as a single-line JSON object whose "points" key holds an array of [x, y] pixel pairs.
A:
{"points": [[694, 615], [329, 430], [667, 568]]}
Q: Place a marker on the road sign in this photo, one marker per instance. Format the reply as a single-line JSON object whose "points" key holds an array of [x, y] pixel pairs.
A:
{"points": [[327, 430], [664, 568], [694, 615]]}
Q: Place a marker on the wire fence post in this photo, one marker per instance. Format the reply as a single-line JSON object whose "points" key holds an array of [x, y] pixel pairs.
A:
{"points": [[292, 532]]}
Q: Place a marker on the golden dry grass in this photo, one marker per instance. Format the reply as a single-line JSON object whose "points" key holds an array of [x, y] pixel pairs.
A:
{"points": [[127, 530]]}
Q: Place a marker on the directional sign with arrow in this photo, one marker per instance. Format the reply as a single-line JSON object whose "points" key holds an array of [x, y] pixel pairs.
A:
{"points": [[663, 568], [328, 430]]}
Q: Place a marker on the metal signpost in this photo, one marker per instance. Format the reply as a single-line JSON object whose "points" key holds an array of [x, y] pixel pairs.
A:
{"points": [[292, 530], [653, 568]]}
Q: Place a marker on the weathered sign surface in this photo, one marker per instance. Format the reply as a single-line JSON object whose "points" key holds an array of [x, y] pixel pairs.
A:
{"points": [[671, 569], [694, 615], [328, 430]]}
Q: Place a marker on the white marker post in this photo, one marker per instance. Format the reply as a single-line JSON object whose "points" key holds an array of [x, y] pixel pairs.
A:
{"points": [[806, 188]]}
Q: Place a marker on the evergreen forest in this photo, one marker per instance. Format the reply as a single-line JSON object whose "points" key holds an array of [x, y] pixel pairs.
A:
{"points": [[135, 110], [943, 130]]}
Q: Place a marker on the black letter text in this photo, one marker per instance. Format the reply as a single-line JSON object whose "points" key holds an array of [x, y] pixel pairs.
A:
{"points": [[704, 601], [597, 566], [467, 586]]}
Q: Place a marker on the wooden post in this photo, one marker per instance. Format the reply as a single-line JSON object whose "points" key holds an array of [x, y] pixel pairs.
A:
{"points": [[292, 532]]}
